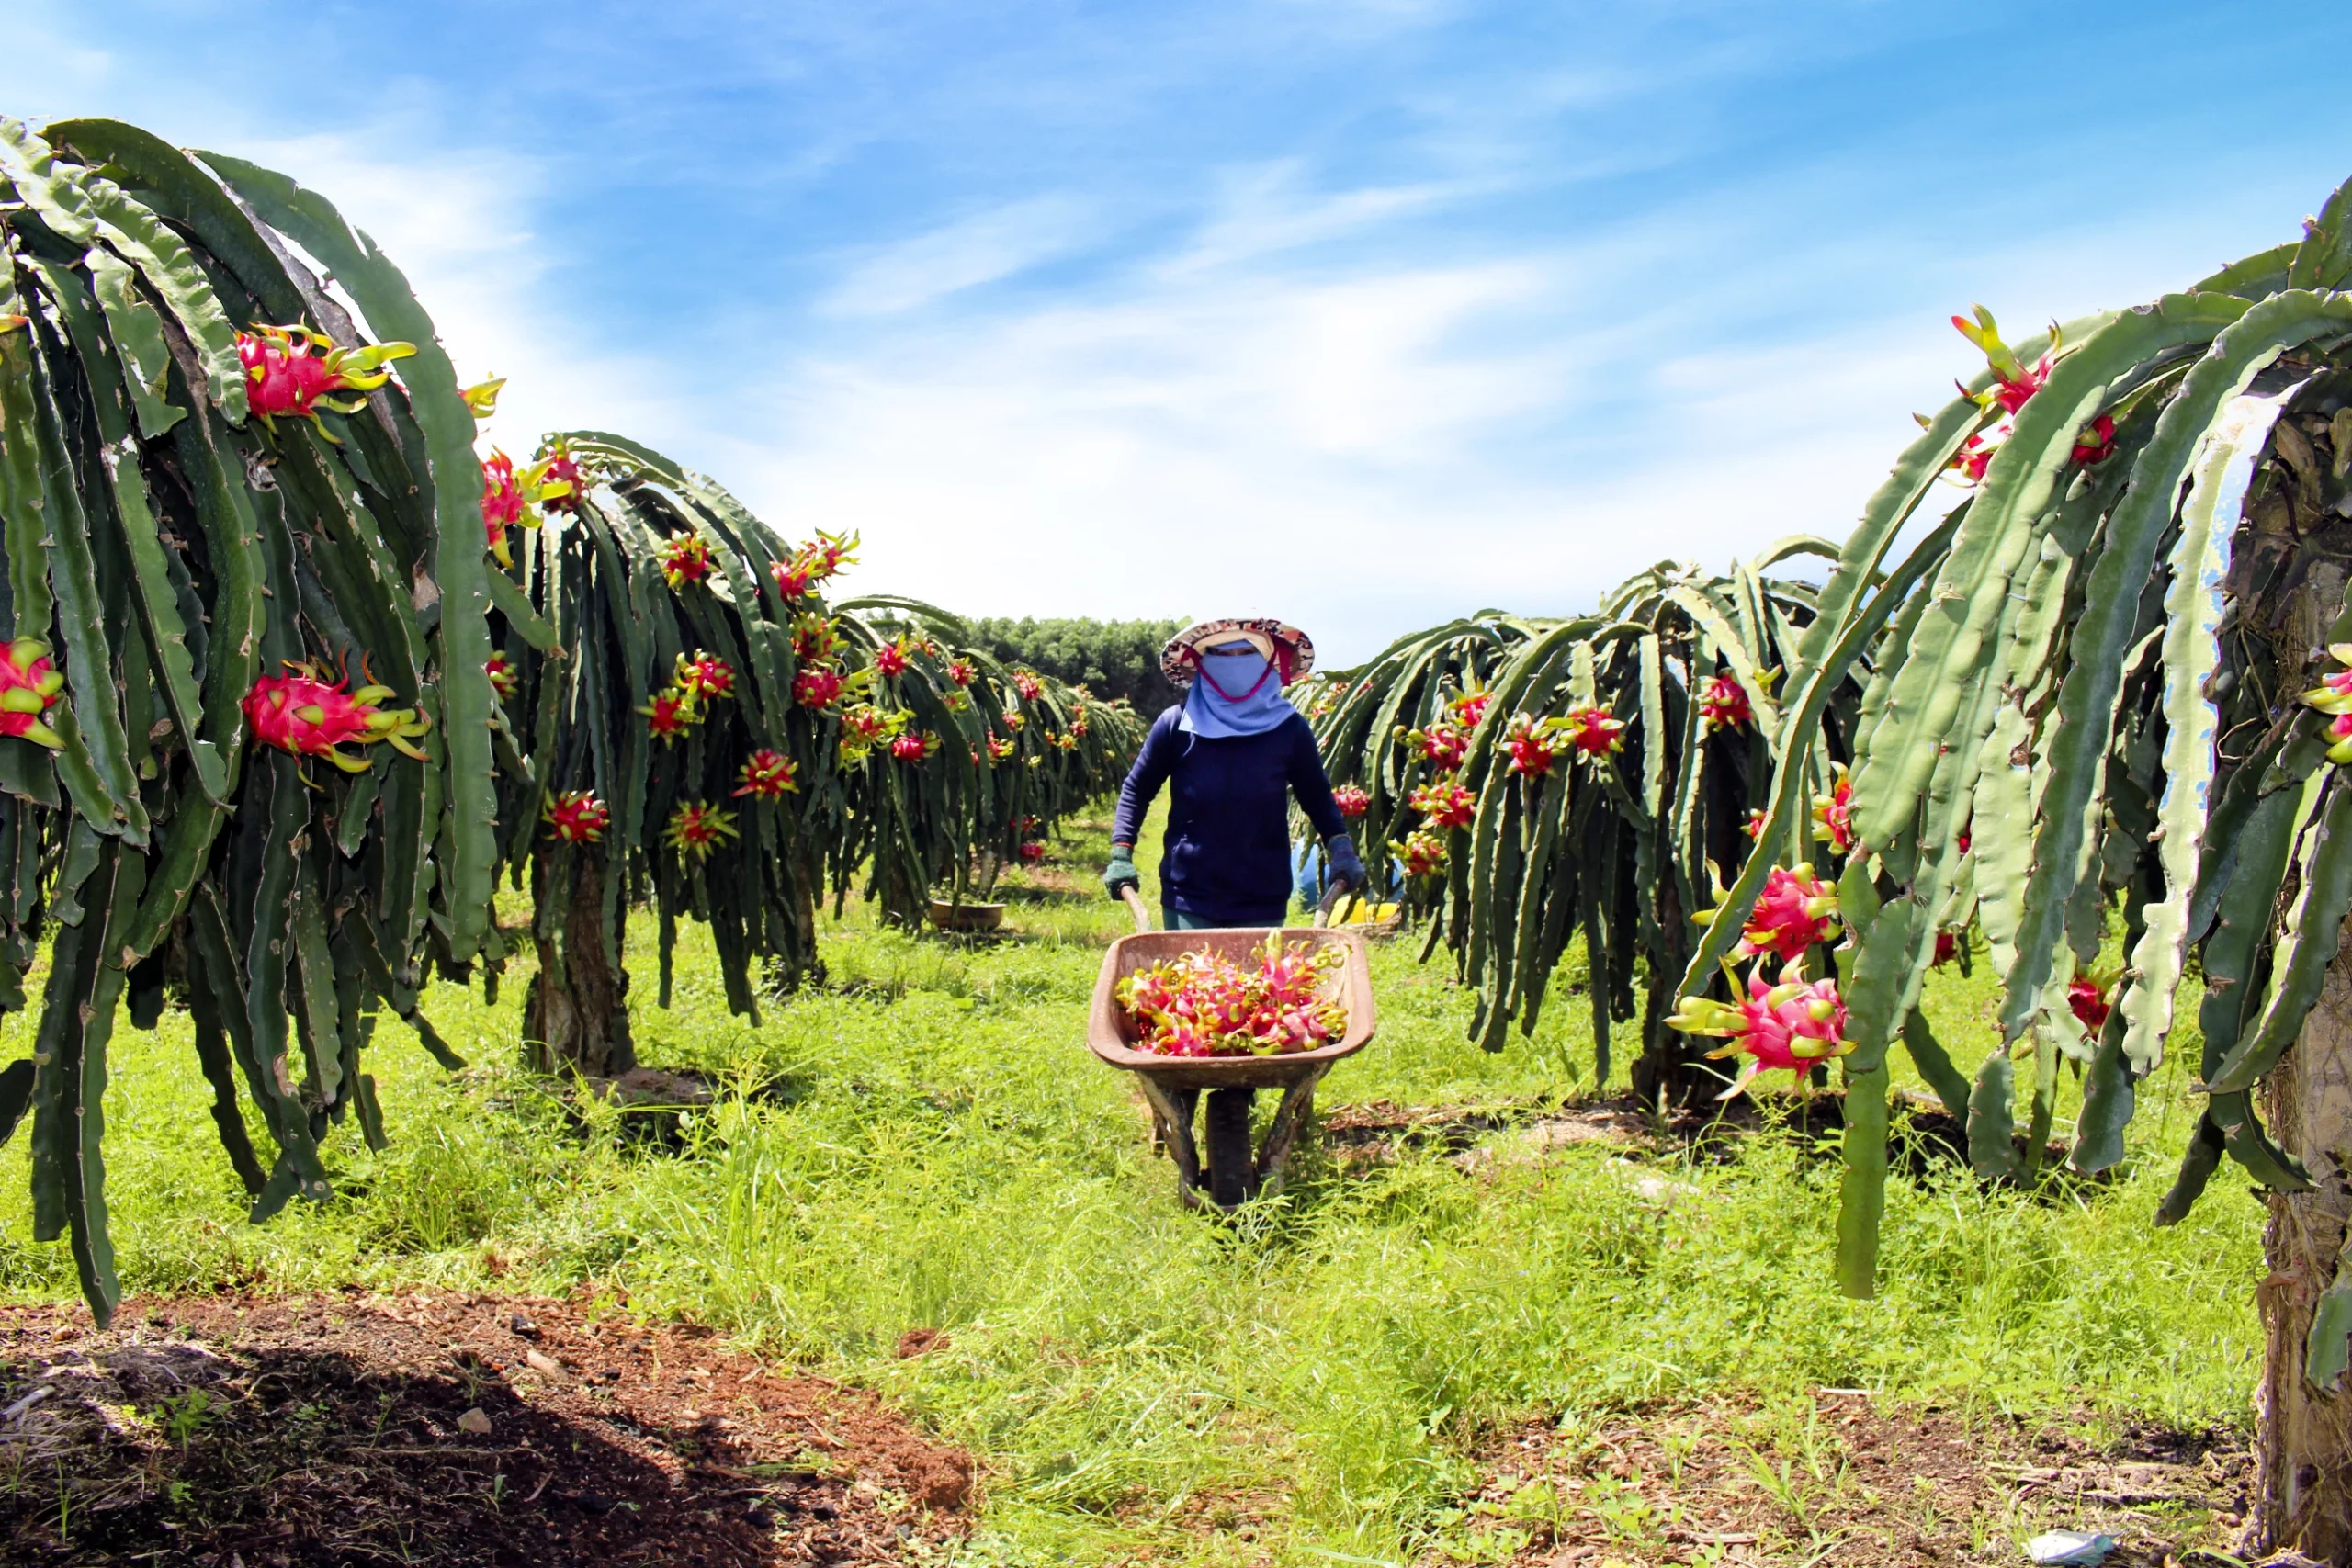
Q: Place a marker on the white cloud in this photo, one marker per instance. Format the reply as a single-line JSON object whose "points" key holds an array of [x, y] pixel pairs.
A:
{"points": [[980, 248], [458, 226]]}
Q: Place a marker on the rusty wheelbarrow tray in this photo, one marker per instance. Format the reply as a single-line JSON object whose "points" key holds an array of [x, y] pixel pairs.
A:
{"points": [[1172, 1085]]}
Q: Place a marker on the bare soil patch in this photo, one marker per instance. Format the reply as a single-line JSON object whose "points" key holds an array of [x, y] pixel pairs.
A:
{"points": [[1846, 1483], [450, 1429]]}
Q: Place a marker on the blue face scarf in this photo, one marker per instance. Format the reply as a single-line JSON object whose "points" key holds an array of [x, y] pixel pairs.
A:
{"points": [[1234, 693]]}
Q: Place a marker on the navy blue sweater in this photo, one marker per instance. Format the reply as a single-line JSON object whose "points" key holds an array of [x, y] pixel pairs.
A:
{"points": [[1227, 857]]}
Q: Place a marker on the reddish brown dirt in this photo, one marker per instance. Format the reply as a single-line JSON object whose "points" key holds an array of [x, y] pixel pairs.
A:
{"points": [[448, 1429], [1847, 1484]]}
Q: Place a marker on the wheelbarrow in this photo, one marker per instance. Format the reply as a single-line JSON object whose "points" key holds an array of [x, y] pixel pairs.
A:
{"points": [[1173, 1085]]}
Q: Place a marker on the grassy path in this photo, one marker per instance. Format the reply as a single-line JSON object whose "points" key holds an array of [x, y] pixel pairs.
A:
{"points": [[927, 1146]]}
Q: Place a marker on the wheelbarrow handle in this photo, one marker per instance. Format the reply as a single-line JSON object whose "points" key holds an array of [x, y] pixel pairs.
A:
{"points": [[1137, 906], [1340, 890]]}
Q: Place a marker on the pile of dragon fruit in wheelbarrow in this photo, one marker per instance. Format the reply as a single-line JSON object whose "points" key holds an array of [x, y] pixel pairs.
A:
{"points": [[1231, 1012], [1204, 1004]]}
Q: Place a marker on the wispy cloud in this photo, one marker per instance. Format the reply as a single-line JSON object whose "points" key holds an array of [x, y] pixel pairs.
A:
{"points": [[982, 248], [1269, 208]]}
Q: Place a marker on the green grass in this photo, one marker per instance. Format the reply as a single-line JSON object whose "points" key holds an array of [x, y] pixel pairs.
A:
{"points": [[929, 1145]]}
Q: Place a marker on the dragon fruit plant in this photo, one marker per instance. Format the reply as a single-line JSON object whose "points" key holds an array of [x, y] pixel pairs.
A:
{"points": [[1617, 853], [188, 774]]}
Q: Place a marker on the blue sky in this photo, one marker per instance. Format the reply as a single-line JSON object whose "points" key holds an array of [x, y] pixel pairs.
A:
{"points": [[1364, 312]]}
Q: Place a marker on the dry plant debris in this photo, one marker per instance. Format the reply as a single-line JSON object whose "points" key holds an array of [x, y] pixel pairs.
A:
{"points": [[1845, 1483]]}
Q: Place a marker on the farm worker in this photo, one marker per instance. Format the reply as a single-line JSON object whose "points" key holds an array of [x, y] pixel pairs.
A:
{"points": [[1234, 753]]}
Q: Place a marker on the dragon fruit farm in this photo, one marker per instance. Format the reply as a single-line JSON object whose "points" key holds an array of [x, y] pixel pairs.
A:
{"points": [[640, 922]]}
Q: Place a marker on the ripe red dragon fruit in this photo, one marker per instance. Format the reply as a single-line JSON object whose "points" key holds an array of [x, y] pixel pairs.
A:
{"points": [[1025, 682], [1471, 706], [890, 659], [29, 684], [817, 687], [1832, 814], [671, 714], [302, 713], [1532, 745], [767, 773], [2333, 696], [1352, 800], [1422, 851], [503, 679], [1444, 804], [1594, 731], [2090, 1000], [1032, 852], [999, 749], [1723, 703], [1795, 911], [1441, 745], [577, 817], [502, 502], [1754, 825], [914, 748], [2096, 442], [1788, 1025], [294, 371], [2013, 381], [960, 670], [1077, 724], [865, 724], [792, 579], [695, 829], [1946, 947], [1976, 454], [831, 552], [684, 558], [705, 675], [561, 483], [815, 640], [1013, 719]]}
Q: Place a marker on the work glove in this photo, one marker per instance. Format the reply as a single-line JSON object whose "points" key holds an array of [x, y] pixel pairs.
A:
{"points": [[1346, 864], [1121, 872]]}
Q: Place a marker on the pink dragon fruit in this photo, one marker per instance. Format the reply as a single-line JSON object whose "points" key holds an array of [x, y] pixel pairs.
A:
{"points": [[301, 713], [768, 775], [695, 829], [294, 371], [1444, 804], [1788, 1025], [578, 816], [29, 684]]}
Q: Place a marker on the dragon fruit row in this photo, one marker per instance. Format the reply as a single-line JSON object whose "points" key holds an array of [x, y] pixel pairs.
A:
{"points": [[1202, 1004]]}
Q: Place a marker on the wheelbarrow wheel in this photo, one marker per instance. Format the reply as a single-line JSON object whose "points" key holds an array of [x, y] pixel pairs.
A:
{"points": [[1229, 1159]]}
